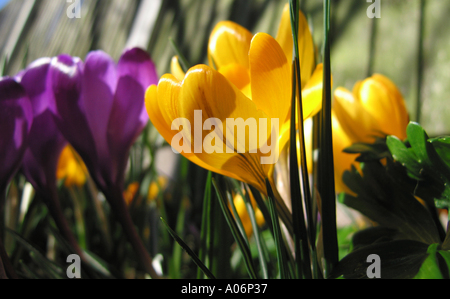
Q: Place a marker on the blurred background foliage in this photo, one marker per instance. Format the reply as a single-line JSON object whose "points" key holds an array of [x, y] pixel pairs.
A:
{"points": [[360, 45]]}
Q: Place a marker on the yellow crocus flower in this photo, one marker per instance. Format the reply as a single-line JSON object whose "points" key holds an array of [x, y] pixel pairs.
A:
{"points": [[71, 168], [374, 108], [249, 79]]}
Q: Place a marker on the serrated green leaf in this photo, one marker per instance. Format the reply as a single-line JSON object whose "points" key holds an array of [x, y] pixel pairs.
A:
{"points": [[405, 156], [442, 147], [382, 199]]}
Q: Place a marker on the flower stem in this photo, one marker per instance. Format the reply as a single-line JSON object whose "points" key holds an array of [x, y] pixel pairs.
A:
{"points": [[120, 209], [51, 200]]}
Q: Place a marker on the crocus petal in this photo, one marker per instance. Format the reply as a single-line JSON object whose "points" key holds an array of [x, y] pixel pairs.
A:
{"points": [[398, 105], [229, 44], [176, 69], [161, 106], [137, 64], [33, 79], [305, 43], [355, 120], [41, 157], [71, 168], [15, 122], [45, 141], [312, 93], [99, 84], [125, 123], [66, 75], [236, 74], [270, 76], [208, 91], [342, 161], [382, 105]]}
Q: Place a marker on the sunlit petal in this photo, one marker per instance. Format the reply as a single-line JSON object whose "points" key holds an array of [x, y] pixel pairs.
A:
{"points": [[229, 44], [176, 69], [270, 77]]}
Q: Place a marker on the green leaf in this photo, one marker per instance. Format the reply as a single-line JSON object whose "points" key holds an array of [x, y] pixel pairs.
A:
{"points": [[430, 268], [205, 232], [401, 259], [446, 243], [188, 250], [445, 268], [405, 156], [442, 147], [49, 269], [383, 200], [281, 256], [240, 240]]}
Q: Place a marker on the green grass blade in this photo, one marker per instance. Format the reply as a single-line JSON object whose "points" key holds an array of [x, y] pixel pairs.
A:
{"points": [[240, 240], [188, 250], [258, 238], [326, 163], [420, 61], [299, 191], [281, 256], [205, 233], [185, 65]]}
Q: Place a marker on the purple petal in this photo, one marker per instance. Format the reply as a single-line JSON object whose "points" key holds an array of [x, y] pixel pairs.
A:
{"points": [[34, 80], [15, 123], [125, 124], [45, 140], [66, 75], [137, 64], [99, 83], [44, 148]]}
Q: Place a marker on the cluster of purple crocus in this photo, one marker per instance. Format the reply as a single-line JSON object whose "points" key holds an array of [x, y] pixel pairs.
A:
{"points": [[97, 106]]}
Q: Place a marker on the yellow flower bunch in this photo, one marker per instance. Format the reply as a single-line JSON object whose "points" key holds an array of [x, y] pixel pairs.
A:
{"points": [[249, 77]]}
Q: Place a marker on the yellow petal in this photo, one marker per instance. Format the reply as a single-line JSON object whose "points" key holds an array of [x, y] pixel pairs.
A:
{"points": [[312, 93], [176, 69], [382, 105], [207, 94], [305, 43], [342, 161], [355, 120], [162, 107], [236, 74], [400, 111], [229, 44], [271, 82]]}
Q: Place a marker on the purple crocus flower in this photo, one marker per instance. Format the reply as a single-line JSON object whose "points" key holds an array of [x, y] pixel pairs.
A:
{"points": [[45, 143], [99, 108]]}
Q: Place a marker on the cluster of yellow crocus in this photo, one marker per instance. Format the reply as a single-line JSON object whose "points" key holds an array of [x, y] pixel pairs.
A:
{"points": [[250, 76]]}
